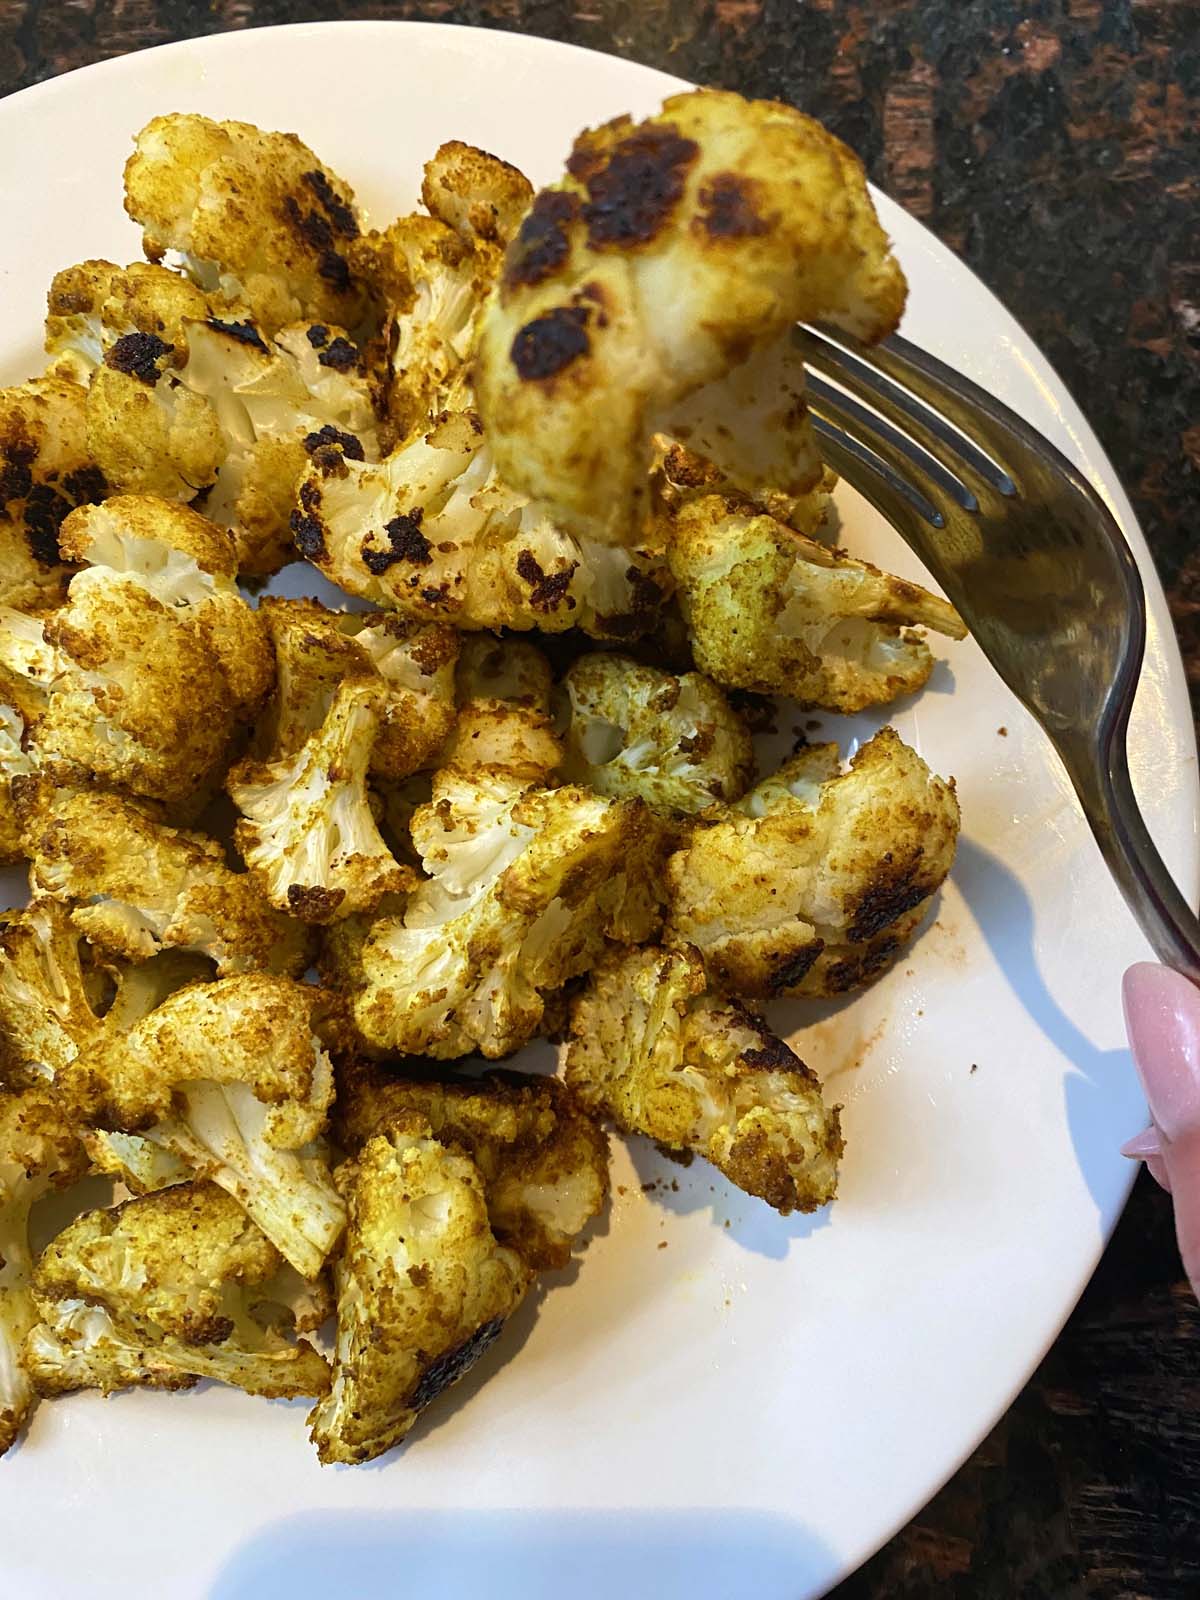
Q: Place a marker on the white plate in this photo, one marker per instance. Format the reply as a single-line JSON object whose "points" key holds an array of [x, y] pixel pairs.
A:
{"points": [[754, 1408]]}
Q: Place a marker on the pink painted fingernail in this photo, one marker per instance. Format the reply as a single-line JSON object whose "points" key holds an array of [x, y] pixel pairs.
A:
{"points": [[1162, 1017], [1147, 1146], [1143, 1145]]}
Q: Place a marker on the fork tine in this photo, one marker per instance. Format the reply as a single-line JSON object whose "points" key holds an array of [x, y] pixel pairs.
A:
{"points": [[907, 411], [894, 496], [870, 427], [918, 506]]}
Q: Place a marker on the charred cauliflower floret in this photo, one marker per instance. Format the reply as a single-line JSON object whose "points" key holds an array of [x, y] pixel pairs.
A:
{"points": [[225, 413], [659, 1054], [672, 259], [277, 405], [45, 471], [94, 304], [151, 434], [230, 1078], [675, 742], [188, 564], [165, 1290], [817, 878], [771, 610], [422, 1288], [433, 532], [136, 886], [316, 649], [526, 886], [258, 220], [544, 1162], [38, 1153], [308, 834]]}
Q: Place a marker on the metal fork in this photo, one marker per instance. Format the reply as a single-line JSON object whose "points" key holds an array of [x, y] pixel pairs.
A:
{"points": [[1027, 551]]}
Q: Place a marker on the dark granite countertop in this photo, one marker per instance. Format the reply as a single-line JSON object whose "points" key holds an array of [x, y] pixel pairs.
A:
{"points": [[1056, 147]]}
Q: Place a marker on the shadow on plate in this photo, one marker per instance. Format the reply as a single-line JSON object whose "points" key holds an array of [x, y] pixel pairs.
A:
{"points": [[1004, 914], [700, 1187], [524, 1555]]}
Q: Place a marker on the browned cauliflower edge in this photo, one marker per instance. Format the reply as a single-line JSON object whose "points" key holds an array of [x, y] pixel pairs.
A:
{"points": [[813, 883], [423, 1289], [654, 1050]]}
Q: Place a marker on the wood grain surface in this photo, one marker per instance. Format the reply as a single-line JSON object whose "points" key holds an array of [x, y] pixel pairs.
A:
{"points": [[1056, 147]]}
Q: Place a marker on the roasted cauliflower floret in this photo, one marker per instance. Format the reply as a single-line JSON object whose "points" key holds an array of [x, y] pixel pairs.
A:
{"points": [[432, 273], [752, 434], [164, 1290], [154, 608], [308, 834], [188, 565], [771, 610], [433, 532], [115, 710], [258, 220], [45, 471], [675, 742], [94, 304], [38, 1153], [49, 997], [231, 1078], [481, 197], [653, 1049], [55, 1000], [224, 412], [544, 1162], [817, 878], [680, 476], [422, 1288], [16, 761], [277, 405], [150, 433], [513, 671], [136, 886], [28, 668], [504, 716], [434, 285], [673, 258], [142, 1165], [525, 887], [316, 649]]}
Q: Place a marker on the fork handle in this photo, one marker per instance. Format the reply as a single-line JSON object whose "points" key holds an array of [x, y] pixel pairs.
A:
{"points": [[1164, 916]]}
